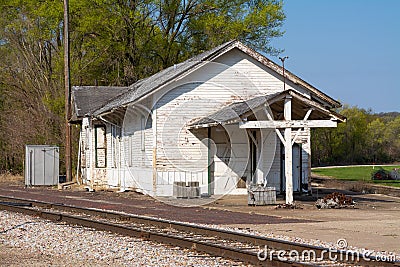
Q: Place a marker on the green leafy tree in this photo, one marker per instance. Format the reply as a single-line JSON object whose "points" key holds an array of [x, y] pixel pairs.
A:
{"points": [[29, 34], [376, 142], [364, 138], [119, 42], [113, 42], [392, 139]]}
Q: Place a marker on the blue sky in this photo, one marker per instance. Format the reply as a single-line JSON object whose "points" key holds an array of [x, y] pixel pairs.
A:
{"points": [[349, 49]]}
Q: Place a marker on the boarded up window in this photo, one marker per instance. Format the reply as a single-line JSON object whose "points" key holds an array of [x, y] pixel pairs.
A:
{"points": [[101, 146]]}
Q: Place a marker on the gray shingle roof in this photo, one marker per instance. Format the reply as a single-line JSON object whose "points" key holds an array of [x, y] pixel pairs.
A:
{"points": [[148, 85], [87, 99], [145, 86]]}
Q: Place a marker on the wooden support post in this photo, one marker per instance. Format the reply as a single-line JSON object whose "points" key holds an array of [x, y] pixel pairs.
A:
{"points": [[309, 160], [252, 138], [68, 144], [288, 151], [299, 130], [288, 124], [278, 132]]}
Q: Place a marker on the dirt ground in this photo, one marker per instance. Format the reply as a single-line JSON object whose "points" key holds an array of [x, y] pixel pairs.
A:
{"points": [[373, 224]]}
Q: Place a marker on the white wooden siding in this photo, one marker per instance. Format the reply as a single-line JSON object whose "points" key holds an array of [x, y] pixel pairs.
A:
{"points": [[272, 160], [180, 154], [137, 138], [263, 78], [235, 77]]}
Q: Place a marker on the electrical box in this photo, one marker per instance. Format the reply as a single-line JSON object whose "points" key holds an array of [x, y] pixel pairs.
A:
{"points": [[41, 165]]}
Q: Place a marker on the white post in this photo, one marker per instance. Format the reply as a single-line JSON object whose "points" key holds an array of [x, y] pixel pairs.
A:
{"points": [[154, 125], [260, 157], [288, 151], [308, 150]]}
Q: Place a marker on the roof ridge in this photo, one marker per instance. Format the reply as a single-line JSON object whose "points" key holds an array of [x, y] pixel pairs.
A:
{"points": [[192, 59], [146, 86], [174, 70]]}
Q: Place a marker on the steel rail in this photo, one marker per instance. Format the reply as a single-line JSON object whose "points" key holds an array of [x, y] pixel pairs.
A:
{"points": [[345, 256], [184, 242]]}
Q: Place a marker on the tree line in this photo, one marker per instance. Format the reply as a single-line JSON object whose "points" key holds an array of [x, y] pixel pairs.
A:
{"points": [[366, 138], [117, 42], [113, 42]]}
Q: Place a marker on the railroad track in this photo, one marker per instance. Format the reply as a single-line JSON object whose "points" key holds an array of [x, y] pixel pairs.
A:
{"points": [[229, 244]]}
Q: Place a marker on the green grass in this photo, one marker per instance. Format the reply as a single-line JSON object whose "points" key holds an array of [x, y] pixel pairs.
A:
{"points": [[357, 174]]}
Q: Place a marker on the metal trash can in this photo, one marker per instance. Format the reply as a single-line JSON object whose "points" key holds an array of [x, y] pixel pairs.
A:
{"points": [[260, 196]]}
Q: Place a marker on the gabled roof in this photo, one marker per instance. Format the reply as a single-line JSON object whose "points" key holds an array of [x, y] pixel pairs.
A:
{"points": [[235, 112], [145, 87], [87, 99]]}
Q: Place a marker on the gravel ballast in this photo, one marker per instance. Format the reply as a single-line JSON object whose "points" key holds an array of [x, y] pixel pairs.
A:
{"points": [[31, 241]]}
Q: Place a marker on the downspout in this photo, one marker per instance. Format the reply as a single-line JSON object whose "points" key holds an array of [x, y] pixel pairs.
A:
{"points": [[118, 143], [209, 159], [92, 154]]}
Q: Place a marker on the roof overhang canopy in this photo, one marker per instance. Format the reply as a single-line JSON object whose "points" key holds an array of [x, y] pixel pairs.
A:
{"points": [[243, 112], [87, 99], [116, 116]]}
